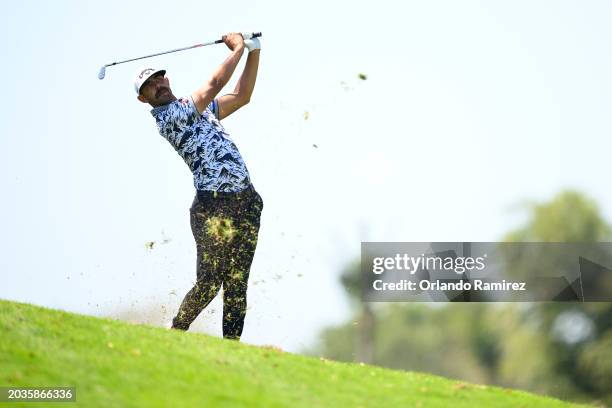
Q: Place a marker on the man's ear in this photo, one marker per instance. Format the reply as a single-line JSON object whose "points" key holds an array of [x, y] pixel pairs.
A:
{"points": [[142, 99]]}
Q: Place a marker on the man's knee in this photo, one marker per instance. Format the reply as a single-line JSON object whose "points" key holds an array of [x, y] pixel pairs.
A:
{"points": [[207, 288]]}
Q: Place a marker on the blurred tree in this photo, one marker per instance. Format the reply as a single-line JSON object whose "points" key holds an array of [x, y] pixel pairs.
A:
{"points": [[569, 217], [575, 333], [562, 349], [366, 321]]}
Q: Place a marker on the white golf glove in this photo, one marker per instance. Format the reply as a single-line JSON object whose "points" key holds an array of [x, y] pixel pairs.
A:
{"points": [[252, 44]]}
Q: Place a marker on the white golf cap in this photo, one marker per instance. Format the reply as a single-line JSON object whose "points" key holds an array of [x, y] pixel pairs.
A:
{"points": [[143, 74]]}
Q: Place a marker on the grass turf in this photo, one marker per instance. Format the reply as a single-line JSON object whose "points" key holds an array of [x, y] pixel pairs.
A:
{"points": [[115, 364]]}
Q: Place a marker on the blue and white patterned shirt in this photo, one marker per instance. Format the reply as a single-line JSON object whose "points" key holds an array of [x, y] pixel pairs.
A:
{"points": [[202, 142]]}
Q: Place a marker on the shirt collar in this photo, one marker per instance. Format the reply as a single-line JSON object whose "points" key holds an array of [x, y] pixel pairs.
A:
{"points": [[159, 109]]}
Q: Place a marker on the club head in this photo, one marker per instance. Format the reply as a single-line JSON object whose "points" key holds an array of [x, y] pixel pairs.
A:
{"points": [[102, 72]]}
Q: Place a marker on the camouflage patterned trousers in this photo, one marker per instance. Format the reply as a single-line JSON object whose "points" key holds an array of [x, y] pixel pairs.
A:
{"points": [[225, 227]]}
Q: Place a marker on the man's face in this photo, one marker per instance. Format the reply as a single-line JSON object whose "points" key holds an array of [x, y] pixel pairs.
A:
{"points": [[156, 91]]}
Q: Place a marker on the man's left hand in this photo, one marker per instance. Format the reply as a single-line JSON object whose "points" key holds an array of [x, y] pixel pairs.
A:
{"points": [[252, 44]]}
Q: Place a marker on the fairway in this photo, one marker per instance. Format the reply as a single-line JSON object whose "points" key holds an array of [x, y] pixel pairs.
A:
{"points": [[115, 364]]}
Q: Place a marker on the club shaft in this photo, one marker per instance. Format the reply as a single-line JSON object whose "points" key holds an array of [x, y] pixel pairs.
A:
{"points": [[175, 50]]}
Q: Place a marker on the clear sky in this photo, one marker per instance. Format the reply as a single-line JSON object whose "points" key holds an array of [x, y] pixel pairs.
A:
{"points": [[469, 108]]}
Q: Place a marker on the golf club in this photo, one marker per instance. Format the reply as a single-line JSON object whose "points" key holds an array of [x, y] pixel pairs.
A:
{"points": [[102, 72]]}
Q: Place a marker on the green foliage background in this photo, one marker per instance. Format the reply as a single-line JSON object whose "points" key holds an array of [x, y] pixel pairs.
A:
{"points": [[560, 349]]}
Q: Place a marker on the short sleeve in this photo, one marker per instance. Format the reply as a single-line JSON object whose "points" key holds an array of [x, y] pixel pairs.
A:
{"points": [[193, 106], [214, 108]]}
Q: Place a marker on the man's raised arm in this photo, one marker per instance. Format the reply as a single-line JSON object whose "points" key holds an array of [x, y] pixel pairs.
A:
{"points": [[231, 102], [207, 92]]}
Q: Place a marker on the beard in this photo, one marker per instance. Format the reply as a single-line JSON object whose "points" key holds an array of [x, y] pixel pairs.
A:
{"points": [[160, 91]]}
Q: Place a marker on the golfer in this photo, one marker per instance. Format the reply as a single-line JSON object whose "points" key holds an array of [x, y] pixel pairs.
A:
{"points": [[226, 209]]}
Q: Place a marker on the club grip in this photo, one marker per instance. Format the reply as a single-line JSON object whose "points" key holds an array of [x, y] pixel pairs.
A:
{"points": [[248, 36]]}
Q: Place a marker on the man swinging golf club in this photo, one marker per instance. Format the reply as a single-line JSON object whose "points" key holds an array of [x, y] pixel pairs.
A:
{"points": [[226, 209]]}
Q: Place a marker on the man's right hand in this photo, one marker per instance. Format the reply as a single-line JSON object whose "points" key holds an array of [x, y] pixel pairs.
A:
{"points": [[234, 41]]}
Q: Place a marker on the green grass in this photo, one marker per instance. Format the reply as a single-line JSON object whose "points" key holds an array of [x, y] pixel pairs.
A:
{"points": [[115, 364]]}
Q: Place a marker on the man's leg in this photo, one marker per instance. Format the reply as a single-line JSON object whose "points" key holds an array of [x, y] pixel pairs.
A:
{"points": [[235, 281], [210, 261]]}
